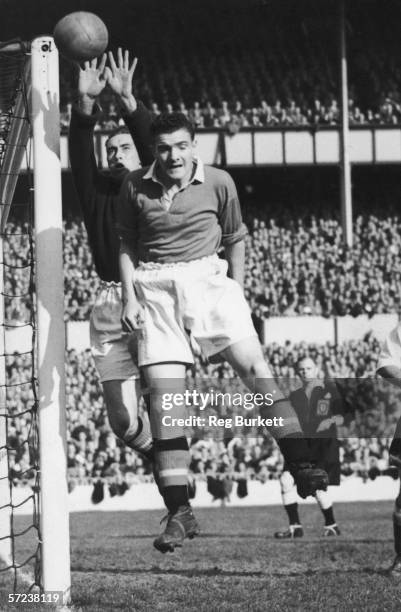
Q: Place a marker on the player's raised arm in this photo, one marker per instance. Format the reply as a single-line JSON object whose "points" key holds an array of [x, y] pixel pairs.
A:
{"points": [[85, 115], [132, 312], [119, 76], [91, 82]]}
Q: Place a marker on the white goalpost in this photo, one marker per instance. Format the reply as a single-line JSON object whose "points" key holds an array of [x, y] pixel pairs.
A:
{"points": [[50, 317], [49, 324]]}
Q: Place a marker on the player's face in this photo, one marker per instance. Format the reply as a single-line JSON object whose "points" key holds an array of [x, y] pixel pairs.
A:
{"points": [[121, 154], [307, 370], [174, 153]]}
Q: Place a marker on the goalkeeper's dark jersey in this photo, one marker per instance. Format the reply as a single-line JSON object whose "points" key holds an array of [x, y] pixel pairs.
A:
{"points": [[98, 191]]}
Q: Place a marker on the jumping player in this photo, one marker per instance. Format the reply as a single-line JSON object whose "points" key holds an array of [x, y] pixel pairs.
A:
{"points": [[320, 409], [98, 194], [389, 366], [173, 217]]}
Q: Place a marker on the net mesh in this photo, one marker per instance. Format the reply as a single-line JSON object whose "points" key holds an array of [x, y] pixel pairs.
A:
{"points": [[19, 445]]}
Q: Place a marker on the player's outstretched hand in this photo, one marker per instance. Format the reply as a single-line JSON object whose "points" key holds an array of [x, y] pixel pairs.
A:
{"points": [[92, 78], [132, 317], [120, 74]]}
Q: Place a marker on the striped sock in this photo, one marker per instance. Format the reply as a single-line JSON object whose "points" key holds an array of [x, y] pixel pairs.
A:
{"points": [[141, 440], [172, 460]]}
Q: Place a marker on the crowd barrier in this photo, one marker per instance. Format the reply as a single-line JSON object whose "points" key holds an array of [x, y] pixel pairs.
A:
{"points": [[145, 496], [280, 146], [318, 330]]}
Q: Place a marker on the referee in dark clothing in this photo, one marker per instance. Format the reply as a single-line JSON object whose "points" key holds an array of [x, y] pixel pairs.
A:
{"points": [[319, 408]]}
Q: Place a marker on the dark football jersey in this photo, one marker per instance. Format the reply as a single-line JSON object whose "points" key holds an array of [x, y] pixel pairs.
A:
{"points": [[98, 191], [325, 401]]}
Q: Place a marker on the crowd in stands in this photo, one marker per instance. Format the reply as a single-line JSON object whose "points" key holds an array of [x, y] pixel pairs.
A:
{"points": [[237, 64], [261, 64], [305, 267], [232, 115], [295, 267], [95, 455]]}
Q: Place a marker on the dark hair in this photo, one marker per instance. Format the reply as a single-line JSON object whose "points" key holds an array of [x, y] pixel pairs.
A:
{"points": [[165, 123], [120, 130]]}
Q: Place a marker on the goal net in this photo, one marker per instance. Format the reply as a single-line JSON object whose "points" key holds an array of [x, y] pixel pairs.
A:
{"points": [[34, 537]]}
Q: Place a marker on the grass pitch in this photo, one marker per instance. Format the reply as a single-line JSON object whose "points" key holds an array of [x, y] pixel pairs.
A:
{"points": [[235, 564]]}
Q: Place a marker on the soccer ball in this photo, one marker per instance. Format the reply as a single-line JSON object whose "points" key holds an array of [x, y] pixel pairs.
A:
{"points": [[81, 36]]}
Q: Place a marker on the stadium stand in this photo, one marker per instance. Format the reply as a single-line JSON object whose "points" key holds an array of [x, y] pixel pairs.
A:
{"points": [[258, 63], [296, 267], [261, 66], [94, 452], [223, 77]]}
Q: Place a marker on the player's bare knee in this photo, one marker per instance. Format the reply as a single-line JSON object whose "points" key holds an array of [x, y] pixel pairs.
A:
{"points": [[288, 488], [324, 499], [286, 481]]}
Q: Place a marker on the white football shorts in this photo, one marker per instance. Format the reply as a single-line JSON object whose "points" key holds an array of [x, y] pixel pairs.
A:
{"points": [[196, 297], [115, 352]]}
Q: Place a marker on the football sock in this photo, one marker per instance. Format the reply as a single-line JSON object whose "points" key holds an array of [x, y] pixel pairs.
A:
{"points": [[325, 502], [172, 460], [141, 439], [328, 516], [175, 496], [292, 513]]}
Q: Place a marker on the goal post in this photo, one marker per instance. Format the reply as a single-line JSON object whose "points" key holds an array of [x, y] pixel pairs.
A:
{"points": [[54, 519], [31, 97]]}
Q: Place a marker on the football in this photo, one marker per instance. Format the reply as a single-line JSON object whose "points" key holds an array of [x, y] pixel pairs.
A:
{"points": [[81, 36]]}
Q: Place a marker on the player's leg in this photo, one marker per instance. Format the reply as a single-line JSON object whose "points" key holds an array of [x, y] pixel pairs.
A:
{"points": [[325, 502], [327, 454], [396, 567], [247, 359], [395, 459], [395, 447], [115, 356], [289, 497], [219, 318], [163, 352], [122, 399], [166, 386]]}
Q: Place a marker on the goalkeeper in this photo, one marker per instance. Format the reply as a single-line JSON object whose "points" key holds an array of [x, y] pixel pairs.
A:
{"points": [[113, 351]]}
